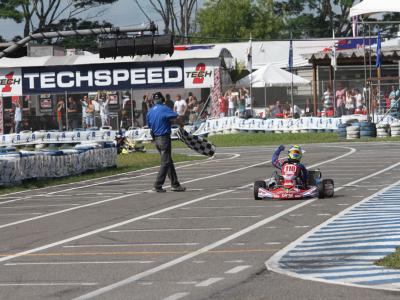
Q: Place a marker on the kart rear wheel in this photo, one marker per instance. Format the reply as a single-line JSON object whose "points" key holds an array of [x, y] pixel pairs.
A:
{"points": [[329, 187], [257, 185], [326, 189]]}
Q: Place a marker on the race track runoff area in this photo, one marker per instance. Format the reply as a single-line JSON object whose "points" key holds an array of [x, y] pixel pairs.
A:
{"points": [[112, 238]]}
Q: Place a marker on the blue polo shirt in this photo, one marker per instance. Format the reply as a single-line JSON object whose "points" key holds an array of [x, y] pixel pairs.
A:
{"points": [[159, 119]]}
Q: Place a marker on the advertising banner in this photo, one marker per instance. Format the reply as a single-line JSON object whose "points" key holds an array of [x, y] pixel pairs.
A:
{"points": [[199, 73], [10, 82], [87, 78]]}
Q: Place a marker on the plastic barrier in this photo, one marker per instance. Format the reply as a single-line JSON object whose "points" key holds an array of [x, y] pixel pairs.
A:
{"points": [[353, 131], [395, 129], [367, 129], [18, 166], [382, 130]]}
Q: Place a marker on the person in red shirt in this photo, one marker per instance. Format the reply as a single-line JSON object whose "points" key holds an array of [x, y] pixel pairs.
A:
{"points": [[223, 106]]}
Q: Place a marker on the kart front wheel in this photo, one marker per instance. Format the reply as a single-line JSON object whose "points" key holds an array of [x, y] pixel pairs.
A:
{"points": [[257, 185]]}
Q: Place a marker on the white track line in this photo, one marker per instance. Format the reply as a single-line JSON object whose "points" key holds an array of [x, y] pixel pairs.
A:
{"points": [[131, 245], [78, 263], [49, 284], [170, 229], [209, 281], [237, 269], [124, 196], [176, 296], [194, 218], [186, 164]]}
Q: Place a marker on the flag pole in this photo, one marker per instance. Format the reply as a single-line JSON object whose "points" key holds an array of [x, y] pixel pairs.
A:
{"points": [[334, 73], [291, 71], [251, 68]]}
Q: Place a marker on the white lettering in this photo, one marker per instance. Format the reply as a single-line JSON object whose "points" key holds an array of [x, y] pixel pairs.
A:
{"points": [[47, 80], [170, 71], [138, 76], [120, 75], [154, 75], [65, 84], [81, 78], [31, 78], [102, 78]]}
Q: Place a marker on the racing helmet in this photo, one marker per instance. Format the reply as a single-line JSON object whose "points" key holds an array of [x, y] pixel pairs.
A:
{"points": [[295, 153]]}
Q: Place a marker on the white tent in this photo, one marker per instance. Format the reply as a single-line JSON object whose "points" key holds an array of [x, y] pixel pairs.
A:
{"points": [[271, 76], [369, 7]]}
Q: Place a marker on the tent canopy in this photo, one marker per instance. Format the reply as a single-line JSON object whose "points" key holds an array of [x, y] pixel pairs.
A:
{"points": [[269, 76], [369, 7]]}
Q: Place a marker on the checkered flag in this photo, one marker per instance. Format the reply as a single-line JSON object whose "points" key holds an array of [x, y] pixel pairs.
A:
{"points": [[196, 143]]}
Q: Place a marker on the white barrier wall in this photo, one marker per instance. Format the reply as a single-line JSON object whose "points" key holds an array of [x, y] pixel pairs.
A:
{"points": [[16, 167]]}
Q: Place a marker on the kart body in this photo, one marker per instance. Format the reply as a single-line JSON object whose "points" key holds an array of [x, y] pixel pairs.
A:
{"points": [[288, 185]]}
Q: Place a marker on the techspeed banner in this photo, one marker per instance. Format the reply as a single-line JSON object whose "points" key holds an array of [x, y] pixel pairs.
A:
{"points": [[87, 78], [110, 76]]}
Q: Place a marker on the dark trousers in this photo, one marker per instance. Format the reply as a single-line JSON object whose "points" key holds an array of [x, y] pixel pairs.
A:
{"points": [[163, 145]]}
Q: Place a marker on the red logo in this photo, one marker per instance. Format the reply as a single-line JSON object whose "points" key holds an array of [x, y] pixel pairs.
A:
{"points": [[8, 82], [199, 74]]}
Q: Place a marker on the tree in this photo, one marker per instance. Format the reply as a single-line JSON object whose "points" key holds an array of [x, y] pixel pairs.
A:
{"points": [[39, 15], [176, 14], [233, 20]]}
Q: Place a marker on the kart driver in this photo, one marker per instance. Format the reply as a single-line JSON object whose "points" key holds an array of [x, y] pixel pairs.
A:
{"points": [[294, 157]]}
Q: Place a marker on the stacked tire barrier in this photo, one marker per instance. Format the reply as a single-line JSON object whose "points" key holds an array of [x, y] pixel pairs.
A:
{"points": [[395, 129], [367, 130], [382, 130], [353, 131], [342, 130]]}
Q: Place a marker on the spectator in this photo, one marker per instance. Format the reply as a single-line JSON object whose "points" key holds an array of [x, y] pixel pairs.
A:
{"points": [[60, 113], [249, 105], [192, 109], [73, 116], [340, 101], [231, 104], [160, 118], [327, 101], [393, 98], [18, 116], [349, 105], [222, 106], [277, 110], [168, 101], [358, 100], [180, 106], [146, 105], [84, 104], [308, 110], [296, 111], [104, 111], [242, 105], [89, 113]]}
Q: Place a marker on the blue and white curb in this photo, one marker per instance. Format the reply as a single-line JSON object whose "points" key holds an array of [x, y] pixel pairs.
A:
{"points": [[343, 249]]}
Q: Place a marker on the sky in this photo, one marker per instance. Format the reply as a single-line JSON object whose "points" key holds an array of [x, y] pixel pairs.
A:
{"points": [[121, 13]]}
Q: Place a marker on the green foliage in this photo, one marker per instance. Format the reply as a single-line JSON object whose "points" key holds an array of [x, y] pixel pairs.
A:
{"points": [[391, 261], [239, 71], [9, 10]]}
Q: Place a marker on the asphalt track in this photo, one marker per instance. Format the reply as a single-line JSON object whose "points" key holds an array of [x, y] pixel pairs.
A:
{"points": [[112, 238]]}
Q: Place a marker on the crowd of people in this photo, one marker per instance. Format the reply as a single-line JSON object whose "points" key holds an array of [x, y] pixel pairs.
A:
{"points": [[235, 102], [188, 109]]}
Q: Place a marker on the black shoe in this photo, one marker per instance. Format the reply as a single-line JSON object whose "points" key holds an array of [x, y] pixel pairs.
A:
{"points": [[159, 190], [178, 189]]}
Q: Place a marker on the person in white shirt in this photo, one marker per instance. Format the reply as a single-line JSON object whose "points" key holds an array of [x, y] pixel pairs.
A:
{"points": [[18, 117], [104, 111], [180, 106], [296, 111], [359, 99], [231, 104]]}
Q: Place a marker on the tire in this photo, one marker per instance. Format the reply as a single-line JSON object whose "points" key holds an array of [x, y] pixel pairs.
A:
{"points": [[329, 188], [257, 185], [321, 191]]}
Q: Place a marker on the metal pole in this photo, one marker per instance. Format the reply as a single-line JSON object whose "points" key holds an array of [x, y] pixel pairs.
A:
{"points": [[186, 22], [66, 111], [131, 108], [81, 32]]}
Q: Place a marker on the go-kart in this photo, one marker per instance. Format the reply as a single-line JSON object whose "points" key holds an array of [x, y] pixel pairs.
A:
{"points": [[289, 186]]}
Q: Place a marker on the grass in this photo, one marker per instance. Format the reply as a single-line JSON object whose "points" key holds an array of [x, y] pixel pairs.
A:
{"points": [[125, 163], [261, 139], [391, 261]]}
